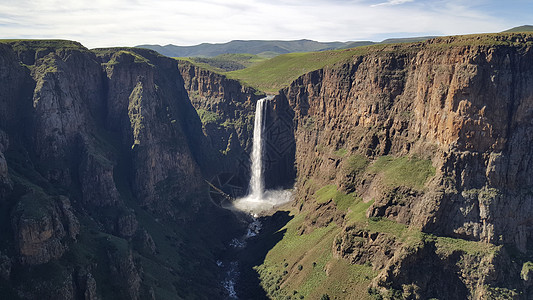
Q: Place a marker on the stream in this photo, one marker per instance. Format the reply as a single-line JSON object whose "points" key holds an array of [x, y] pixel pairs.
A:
{"points": [[230, 269]]}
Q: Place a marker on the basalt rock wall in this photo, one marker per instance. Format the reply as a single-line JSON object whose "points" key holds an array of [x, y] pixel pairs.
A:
{"points": [[463, 105], [466, 107]]}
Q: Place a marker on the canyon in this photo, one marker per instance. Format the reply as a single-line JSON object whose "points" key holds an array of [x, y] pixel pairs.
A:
{"points": [[411, 169]]}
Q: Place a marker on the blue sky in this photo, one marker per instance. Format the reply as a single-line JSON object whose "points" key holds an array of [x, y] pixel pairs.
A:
{"points": [[105, 23]]}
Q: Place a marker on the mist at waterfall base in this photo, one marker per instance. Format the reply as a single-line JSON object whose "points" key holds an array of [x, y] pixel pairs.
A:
{"points": [[259, 200], [267, 201]]}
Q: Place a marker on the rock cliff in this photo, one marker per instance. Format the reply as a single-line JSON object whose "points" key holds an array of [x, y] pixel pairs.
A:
{"points": [[99, 185], [432, 137], [226, 109]]}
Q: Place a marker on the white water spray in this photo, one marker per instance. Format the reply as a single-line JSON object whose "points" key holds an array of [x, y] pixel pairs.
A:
{"points": [[258, 199]]}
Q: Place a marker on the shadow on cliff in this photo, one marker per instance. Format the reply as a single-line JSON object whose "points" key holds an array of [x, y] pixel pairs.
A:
{"points": [[255, 252]]}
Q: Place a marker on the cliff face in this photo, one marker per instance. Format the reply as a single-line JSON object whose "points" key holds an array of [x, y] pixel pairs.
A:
{"points": [[226, 110], [95, 158], [433, 135], [468, 108], [147, 109]]}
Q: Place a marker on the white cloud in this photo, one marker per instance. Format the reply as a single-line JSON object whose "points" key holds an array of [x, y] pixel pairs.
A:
{"points": [[392, 2], [103, 23]]}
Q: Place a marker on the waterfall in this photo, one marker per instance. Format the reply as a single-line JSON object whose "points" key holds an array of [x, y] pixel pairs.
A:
{"points": [[256, 202], [256, 181], [258, 199]]}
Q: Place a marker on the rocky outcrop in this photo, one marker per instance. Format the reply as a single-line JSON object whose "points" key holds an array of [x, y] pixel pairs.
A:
{"points": [[67, 85], [146, 241], [362, 247], [123, 268], [127, 224], [5, 182], [97, 183], [86, 285], [149, 109], [6, 265], [42, 227]]}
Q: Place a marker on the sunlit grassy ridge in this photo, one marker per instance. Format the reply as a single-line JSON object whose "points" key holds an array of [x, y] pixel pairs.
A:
{"points": [[23, 44], [342, 200], [225, 62], [278, 72], [303, 264], [410, 172]]}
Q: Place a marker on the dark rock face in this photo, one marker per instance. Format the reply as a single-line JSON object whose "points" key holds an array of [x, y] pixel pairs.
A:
{"points": [[41, 224], [86, 285], [148, 108], [280, 145], [96, 158], [227, 111], [5, 183], [123, 268], [97, 184]]}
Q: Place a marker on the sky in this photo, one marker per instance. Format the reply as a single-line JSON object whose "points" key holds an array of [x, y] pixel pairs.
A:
{"points": [[107, 23]]}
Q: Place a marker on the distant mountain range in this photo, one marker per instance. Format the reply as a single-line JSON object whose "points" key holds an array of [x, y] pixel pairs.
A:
{"points": [[263, 48], [269, 49]]}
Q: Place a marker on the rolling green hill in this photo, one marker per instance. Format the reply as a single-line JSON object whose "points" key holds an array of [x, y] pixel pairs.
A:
{"points": [[523, 28], [227, 62], [265, 48], [273, 74]]}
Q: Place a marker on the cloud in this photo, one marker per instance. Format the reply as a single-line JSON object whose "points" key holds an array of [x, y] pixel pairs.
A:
{"points": [[392, 2], [103, 23]]}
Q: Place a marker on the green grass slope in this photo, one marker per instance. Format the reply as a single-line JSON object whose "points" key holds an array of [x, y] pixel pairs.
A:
{"points": [[226, 62], [25, 46], [278, 72], [523, 28]]}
